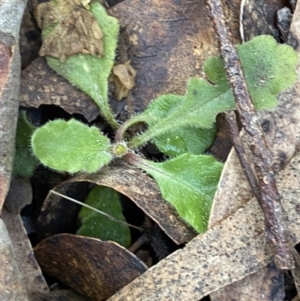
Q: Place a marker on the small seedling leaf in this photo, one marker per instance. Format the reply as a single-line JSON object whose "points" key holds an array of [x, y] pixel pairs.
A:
{"points": [[99, 226], [71, 146], [189, 183]]}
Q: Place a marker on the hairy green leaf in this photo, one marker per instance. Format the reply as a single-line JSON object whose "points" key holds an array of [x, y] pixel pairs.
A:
{"points": [[189, 183], [184, 140], [214, 70], [71, 146], [99, 226], [24, 162], [201, 105], [90, 73], [263, 60]]}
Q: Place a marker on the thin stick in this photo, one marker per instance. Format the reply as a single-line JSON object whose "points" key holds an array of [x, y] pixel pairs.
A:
{"points": [[139, 242], [92, 208], [262, 156]]}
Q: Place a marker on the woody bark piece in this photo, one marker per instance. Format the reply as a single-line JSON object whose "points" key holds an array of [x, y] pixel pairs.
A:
{"points": [[233, 249], [11, 12]]}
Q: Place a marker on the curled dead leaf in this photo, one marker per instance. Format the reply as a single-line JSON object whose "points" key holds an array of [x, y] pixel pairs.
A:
{"points": [[76, 29], [91, 267], [124, 79], [127, 180]]}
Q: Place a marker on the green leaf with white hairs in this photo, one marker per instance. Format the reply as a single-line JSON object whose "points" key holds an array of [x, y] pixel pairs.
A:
{"points": [[269, 69], [99, 226], [184, 140], [189, 183], [71, 146], [263, 61], [90, 73], [200, 106]]}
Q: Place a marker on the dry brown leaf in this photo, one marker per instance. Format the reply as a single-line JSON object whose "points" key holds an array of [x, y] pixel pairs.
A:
{"points": [[267, 284], [124, 79], [91, 267], [168, 42], [58, 295], [41, 85], [143, 191], [76, 29], [59, 215]]}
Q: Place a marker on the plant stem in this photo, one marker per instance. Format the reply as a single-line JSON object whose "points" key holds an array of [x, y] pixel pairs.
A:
{"points": [[128, 123], [106, 112], [262, 156]]}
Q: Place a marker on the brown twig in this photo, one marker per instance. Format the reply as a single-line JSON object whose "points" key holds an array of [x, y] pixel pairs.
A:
{"points": [[262, 156]]}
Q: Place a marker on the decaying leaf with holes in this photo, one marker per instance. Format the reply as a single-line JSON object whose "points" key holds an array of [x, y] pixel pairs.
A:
{"points": [[124, 79], [71, 29]]}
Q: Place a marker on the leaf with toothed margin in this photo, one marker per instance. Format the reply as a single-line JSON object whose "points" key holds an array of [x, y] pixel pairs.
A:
{"points": [[199, 108], [71, 146], [263, 61], [96, 225], [188, 182]]}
